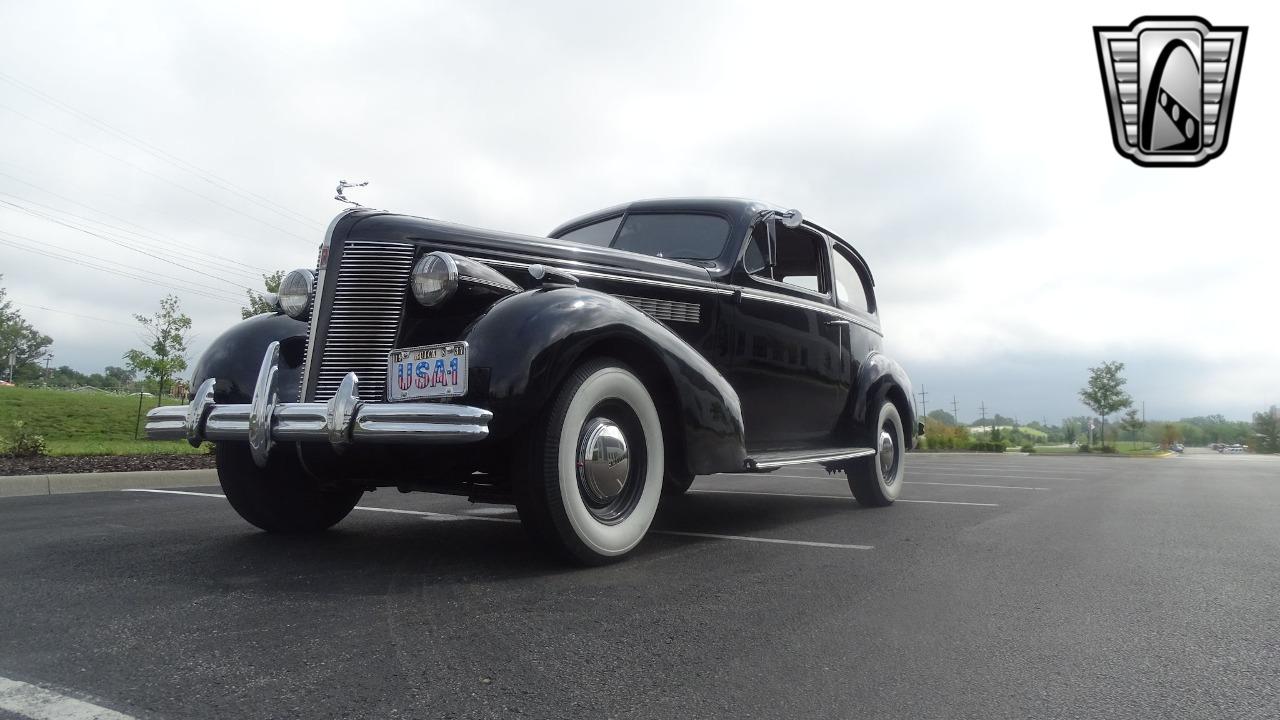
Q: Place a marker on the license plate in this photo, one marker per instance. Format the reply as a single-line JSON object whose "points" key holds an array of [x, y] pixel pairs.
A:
{"points": [[432, 371]]}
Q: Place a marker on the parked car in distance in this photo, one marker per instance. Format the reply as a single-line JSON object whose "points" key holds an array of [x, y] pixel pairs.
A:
{"points": [[579, 376]]}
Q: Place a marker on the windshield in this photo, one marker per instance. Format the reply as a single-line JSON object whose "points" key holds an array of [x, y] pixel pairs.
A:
{"points": [[681, 236]]}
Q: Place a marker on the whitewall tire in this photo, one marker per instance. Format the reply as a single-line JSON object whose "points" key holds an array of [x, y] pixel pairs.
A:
{"points": [[877, 480], [595, 472]]}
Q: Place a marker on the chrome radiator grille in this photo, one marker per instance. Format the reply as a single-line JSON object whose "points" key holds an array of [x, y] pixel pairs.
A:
{"points": [[363, 317]]}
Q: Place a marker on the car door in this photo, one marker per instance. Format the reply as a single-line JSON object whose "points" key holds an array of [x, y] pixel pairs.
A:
{"points": [[854, 295], [790, 360]]}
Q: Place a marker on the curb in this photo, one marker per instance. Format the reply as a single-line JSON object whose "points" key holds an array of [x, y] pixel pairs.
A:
{"points": [[60, 483]]}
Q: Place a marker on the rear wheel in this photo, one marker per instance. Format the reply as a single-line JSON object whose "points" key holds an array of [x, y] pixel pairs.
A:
{"points": [[281, 497], [876, 480], [593, 466]]}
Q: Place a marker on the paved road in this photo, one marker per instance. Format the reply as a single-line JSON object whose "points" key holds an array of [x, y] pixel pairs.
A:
{"points": [[1010, 587]]}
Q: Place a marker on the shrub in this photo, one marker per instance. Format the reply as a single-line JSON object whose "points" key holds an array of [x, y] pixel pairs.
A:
{"points": [[988, 446], [1108, 449], [21, 442], [1028, 448], [1084, 447]]}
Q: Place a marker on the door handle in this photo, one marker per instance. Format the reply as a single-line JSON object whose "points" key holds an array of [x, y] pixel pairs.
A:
{"points": [[837, 322]]}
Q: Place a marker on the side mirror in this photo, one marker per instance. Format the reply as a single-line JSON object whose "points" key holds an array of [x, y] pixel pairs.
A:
{"points": [[791, 218]]}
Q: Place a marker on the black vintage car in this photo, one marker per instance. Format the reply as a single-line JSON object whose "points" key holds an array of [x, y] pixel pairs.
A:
{"points": [[580, 377]]}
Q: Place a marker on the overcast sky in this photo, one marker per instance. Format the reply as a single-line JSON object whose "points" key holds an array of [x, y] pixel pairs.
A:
{"points": [[965, 149]]}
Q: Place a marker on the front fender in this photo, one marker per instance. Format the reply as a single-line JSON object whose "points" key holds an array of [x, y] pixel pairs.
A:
{"points": [[530, 342], [235, 356], [877, 378]]}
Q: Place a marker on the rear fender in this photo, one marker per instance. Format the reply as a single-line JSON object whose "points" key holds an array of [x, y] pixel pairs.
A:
{"points": [[530, 342], [881, 377]]}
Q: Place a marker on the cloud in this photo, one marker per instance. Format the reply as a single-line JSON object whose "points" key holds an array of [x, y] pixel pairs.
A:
{"points": [[963, 149]]}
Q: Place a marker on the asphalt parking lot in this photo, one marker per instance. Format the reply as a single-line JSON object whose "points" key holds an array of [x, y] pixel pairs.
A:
{"points": [[999, 587]]}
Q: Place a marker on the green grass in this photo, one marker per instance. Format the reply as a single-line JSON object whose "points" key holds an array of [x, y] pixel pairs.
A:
{"points": [[81, 423], [89, 446]]}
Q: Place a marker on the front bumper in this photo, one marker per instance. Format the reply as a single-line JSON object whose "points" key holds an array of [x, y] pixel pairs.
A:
{"points": [[343, 420]]}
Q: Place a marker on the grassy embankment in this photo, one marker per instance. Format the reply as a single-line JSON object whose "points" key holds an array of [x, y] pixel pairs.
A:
{"points": [[84, 423], [1123, 447]]}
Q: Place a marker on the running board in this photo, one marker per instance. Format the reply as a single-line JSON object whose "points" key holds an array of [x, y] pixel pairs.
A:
{"points": [[774, 460]]}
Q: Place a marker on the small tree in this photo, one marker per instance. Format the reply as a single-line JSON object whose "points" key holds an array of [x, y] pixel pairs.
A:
{"points": [[258, 303], [1133, 423], [1105, 392], [943, 417], [1267, 425], [166, 334], [21, 341]]}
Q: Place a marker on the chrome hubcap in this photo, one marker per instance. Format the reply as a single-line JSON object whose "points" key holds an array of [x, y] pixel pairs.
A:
{"points": [[888, 456], [603, 460]]}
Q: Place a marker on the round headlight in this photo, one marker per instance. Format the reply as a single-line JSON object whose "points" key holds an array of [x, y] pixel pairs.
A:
{"points": [[295, 293], [434, 279]]}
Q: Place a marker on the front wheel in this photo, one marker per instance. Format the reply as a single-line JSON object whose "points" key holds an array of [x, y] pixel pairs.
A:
{"points": [[280, 498], [876, 480], [593, 466]]}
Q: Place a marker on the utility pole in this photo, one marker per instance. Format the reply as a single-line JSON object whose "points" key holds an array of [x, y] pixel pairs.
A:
{"points": [[955, 409], [983, 409], [924, 402], [13, 357]]}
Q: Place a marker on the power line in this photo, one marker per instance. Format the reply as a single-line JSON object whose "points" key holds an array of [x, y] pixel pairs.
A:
{"points": [[139, 278], [143, 243], [158, 176], [124, 245], [150, 234], [67, 312], [174, 160], [45, 248]]}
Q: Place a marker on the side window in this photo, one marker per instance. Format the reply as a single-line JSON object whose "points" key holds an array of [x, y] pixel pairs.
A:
{"points": [[599, 234], [851, 286], [799, 259]]}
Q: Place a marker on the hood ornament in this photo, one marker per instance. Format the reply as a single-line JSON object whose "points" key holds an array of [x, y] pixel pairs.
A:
{"points": [[343, 185]]}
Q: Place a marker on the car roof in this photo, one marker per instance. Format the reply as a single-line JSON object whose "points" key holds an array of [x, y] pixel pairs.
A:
{"points": [[740, 211]]}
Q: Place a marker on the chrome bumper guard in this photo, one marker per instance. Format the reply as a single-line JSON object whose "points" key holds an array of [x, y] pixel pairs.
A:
{"points": [[344, 420]]}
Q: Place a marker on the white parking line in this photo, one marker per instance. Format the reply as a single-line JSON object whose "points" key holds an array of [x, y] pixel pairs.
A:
{"points": [[838, 497], [972, 485], [779, 541], [34, 702], [488, 518], [175, 492], [1068, 472]]}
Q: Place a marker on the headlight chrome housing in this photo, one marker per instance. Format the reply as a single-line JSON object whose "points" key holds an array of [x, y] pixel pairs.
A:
{"points": [[295, 293], [434, 278]]}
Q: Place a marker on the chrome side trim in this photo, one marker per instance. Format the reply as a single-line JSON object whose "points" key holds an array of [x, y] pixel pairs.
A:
{"points": [[753, 464], [715, 290], [800, 303]]}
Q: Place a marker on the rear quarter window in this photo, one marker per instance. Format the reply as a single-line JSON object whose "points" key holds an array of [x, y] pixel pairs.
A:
{"points": [[599, 234]]}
